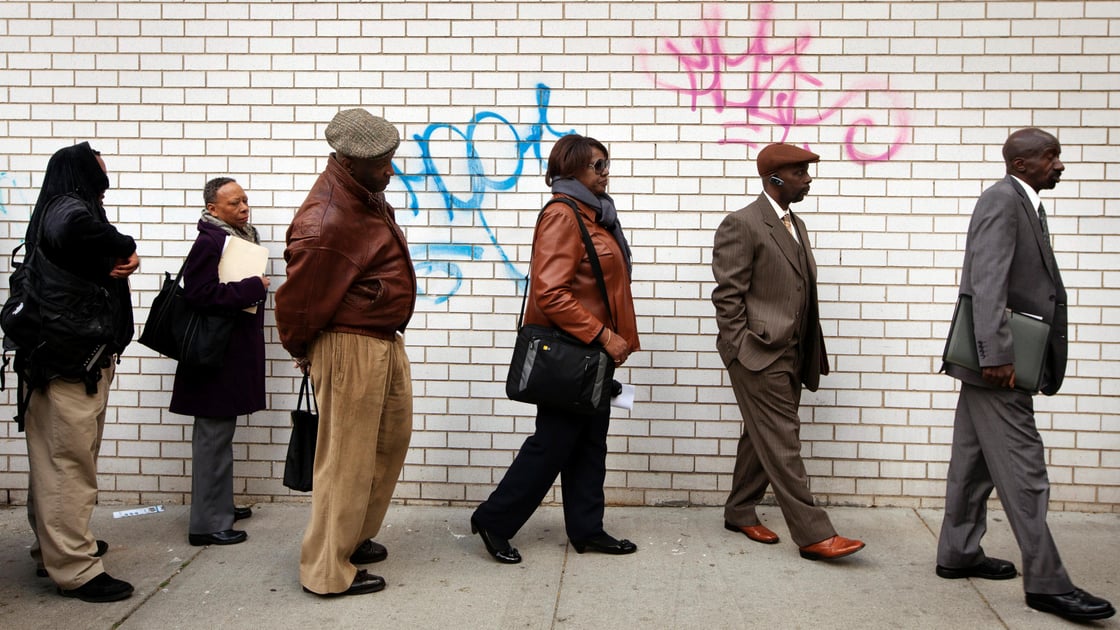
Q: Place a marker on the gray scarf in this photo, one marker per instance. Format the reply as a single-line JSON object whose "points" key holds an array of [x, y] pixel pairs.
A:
{"points": [[606, 214], [248, 233]]}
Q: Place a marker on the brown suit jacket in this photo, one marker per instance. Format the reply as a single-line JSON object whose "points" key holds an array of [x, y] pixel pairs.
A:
{"points": [[765, 297]]}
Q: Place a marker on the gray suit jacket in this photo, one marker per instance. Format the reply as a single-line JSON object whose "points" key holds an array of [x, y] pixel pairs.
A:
{"points": [[764, 301], [1009, 264]]}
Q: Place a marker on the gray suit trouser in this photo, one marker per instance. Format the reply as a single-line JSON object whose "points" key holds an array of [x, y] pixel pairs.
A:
{"points": [[212, 475], [996, 445]]}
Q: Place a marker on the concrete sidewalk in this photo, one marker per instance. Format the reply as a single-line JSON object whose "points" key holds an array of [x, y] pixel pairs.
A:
{"points": [[688, 573]]}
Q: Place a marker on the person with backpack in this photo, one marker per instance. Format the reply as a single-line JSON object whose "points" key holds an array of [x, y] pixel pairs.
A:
{"points": [[66, 401]]}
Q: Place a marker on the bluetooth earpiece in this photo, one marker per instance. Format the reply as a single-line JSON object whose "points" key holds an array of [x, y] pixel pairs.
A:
{"points": [[777, 181]]}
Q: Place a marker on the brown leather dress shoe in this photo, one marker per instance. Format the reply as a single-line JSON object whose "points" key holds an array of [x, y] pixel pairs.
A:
{"points": [[831, 548], [757, 533]]}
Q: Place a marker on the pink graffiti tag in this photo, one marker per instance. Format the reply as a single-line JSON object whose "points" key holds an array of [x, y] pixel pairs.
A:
{"points": [[775, 91]]}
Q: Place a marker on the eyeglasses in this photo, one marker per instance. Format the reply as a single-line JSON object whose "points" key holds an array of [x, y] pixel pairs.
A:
{"points": [[600, 165]]}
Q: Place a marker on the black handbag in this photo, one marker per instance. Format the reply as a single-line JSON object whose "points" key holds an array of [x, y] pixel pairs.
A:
{"points": [[552, 368], [194, 338], [299, 467]]}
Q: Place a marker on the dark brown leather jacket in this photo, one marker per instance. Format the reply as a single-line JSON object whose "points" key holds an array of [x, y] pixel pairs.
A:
{"points": [[563, 292], [349, 269]]}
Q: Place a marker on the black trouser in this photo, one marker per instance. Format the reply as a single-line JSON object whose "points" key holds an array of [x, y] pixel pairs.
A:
{"points": [[565, 444]]}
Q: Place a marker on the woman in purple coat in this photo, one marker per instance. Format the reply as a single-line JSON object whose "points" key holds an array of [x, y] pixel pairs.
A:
{"points": [[215, 397]]}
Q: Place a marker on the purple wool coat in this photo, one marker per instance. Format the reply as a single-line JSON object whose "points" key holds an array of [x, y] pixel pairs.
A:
{"points": [[237, 387]]}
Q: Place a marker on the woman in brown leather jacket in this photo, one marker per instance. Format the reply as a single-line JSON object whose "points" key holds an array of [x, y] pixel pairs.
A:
{"points": [[563, 293]]}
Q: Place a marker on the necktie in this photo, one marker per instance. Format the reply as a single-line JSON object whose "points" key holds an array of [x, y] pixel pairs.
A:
{"points": [[1042, 220], [786, 221]]}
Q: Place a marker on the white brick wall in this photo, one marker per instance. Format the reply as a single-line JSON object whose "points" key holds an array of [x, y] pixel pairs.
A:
{"points": [[175, 93]]}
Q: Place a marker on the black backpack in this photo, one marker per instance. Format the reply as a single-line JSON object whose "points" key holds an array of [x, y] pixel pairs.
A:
{"points": [[58, 323]]}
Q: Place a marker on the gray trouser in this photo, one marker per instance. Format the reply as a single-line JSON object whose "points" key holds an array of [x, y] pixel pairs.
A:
{"points": [[996, 445], [212, 475]]}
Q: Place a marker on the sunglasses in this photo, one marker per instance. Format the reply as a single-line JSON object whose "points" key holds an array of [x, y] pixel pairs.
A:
{"points": [[600, 165]]}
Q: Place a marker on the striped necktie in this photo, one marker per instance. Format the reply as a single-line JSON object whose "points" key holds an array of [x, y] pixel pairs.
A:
{"points": [[786, 221]]}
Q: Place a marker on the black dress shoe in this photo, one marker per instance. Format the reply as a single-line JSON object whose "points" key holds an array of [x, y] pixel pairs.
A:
{"points": [[228, 537], [498, 547], [604, 543], [369, 552], [364, 582], [1076, 605], [240, 513], [102, 588], [102, 549], [986, 569]]}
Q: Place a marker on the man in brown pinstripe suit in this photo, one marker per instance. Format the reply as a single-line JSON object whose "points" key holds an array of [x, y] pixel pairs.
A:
{"points": [[771, 341]]}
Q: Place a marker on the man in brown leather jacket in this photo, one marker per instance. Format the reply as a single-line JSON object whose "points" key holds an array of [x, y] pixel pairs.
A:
{"points": [[341, 313]]}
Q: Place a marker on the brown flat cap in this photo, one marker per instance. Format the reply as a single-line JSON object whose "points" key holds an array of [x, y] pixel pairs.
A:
{"points": [[359, 134], [778, 155]]}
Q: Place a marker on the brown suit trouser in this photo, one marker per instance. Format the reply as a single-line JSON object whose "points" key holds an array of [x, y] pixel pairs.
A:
{"points": [[770, 451], [363, 387], [63, 430]]}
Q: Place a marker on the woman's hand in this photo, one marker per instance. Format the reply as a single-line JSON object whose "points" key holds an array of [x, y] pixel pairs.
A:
{"points": [[615, 345]]}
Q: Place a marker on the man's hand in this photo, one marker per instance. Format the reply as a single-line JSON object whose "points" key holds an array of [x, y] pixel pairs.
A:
{"points": [[125, 267], [1000, 375]]}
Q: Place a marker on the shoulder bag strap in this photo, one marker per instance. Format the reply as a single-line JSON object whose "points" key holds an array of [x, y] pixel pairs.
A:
{"points": [[179, 276]]}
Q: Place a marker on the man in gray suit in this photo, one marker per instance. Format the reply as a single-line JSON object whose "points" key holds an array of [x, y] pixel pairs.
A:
{"points": [[1009, 264], [770, 339]]}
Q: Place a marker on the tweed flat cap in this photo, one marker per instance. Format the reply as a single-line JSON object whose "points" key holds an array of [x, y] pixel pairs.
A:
{"points": [[359, 134], [778, 155]]}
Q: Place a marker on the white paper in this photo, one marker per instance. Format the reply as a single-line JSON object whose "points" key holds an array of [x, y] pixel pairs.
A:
{"points": [[242, 259], [625, 400]]}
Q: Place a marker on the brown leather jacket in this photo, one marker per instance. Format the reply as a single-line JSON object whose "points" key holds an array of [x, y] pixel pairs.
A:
{"points": [[349, 269], [563, 292]]}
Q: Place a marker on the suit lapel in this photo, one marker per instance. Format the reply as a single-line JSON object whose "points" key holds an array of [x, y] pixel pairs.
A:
{"points": [[1036, 227], [779, 233]]}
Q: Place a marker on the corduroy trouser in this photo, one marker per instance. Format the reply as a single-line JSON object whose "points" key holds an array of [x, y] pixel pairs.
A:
{"points": [[363, 387]]}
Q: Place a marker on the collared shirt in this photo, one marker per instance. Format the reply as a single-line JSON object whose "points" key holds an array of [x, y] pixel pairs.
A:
{"points": [[780, 213], [1036, 201]]}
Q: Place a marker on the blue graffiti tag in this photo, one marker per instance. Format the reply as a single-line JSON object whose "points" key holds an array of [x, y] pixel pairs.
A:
{"points": [[438, 260], [9, 182]]}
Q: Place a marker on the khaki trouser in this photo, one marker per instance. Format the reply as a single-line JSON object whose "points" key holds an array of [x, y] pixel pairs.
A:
{"points": [[363, 387], [63, 430]]}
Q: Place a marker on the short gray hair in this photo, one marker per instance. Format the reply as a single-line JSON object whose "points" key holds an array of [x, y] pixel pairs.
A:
{"points": [[210, 192]]}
